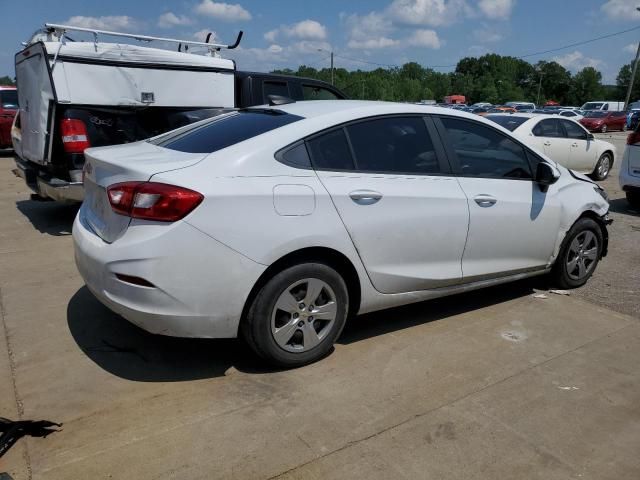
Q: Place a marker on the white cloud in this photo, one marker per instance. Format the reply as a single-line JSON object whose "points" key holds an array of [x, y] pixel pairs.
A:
{"points": [[278, 56], [306, 29], [110, 22], [371, 43], [223, 11], [577, 61], [631, 48], [620, 9], [486, 35], [424, 38], [170, 19], [433, 13], [496, 9]]}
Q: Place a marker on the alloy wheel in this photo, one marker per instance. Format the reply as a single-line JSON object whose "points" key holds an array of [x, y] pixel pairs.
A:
{"points": [[582, 255], [604, 166], [303, 315], [604, 129]]}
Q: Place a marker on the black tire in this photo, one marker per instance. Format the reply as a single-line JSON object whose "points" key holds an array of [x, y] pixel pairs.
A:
{"points": [[561, 276], [633, 197], [256, 327], [599, 173]]}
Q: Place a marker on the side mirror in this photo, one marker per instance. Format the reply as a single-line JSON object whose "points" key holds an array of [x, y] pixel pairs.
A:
{"points": [[590, 136], [546, 174]]}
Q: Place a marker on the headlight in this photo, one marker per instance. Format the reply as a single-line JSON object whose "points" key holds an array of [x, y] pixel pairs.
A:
{"points": [[601, 192]]}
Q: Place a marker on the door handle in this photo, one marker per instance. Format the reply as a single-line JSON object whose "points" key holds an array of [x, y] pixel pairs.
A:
{"points": [[485, 200], [547, 143], [365, 197], [575, 144]]}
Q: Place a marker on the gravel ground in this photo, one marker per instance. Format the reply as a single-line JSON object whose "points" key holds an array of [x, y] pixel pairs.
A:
{"points": [[616, 282]]}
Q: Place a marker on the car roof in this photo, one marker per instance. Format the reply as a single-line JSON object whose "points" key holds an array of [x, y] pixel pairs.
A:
{"points": [[318, 108]]}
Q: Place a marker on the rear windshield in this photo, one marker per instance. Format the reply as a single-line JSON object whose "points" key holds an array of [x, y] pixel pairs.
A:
{"points": [[226, 130], [9, 98], [510, 122]]}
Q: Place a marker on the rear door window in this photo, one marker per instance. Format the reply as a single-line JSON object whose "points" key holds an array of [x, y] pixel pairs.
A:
{"points": [[330, 151], [548, 128], [225, 130], [393, 145]]}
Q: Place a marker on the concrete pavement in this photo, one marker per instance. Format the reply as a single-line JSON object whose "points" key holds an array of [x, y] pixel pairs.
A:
{"points": [[493, 384]]}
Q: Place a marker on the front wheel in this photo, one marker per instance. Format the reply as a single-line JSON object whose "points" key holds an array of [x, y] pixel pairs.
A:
{"points": [[603, 167], [297, 316], [579, 254], [603, 129]]}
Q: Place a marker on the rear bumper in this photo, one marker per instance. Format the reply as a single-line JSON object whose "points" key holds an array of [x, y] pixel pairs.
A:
{"points": [[49, 187], [630, 176], [198, 286]]}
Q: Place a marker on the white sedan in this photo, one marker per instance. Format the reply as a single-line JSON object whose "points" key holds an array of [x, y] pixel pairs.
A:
{"points": [[277, 223], [565, 141]]}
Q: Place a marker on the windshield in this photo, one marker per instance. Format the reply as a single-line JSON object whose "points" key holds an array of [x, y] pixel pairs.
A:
{"points": [[9, 99], [522, 107], [510, 122], [592, 106], [595, 114], [225, 130]]}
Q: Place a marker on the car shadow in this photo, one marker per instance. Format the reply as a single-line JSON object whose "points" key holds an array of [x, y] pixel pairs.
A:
{"points": [[51, 218], [129, 352], [400, 318], [621, 205]]}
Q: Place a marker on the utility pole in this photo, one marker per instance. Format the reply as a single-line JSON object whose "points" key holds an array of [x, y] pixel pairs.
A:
{"points": [[332, 82], [633, 75], [539, 88]]}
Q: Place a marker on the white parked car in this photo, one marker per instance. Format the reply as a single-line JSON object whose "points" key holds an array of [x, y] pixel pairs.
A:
{"points": [[630, 169], [563, 140], [571, 113], [276, 223]]}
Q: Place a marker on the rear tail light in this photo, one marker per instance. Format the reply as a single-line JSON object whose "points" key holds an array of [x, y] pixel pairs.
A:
{"points": [[633, 138], [74, 135], [152, 201]]}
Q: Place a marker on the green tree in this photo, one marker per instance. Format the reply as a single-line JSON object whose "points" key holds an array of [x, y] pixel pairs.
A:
{"points": [[6, 80], [586, 85], [622, 81]]}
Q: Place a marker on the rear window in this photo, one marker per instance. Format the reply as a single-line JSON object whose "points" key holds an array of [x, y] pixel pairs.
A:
{"points": [[226, 130], [596, 114], [9, 99], [510, 122]]}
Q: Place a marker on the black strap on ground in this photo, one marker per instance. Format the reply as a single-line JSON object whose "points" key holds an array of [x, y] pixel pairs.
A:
{"points": [[12, 431]]}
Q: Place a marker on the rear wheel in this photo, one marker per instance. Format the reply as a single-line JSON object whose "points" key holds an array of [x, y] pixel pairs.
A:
{"points": [[603, 167], [579, 254], [633, 197], [297, 316]]}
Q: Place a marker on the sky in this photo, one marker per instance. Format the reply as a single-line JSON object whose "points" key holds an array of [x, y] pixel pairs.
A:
{"points": [[362, 34]]}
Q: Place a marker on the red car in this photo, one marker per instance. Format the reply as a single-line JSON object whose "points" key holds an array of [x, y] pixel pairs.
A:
{"points": [[8, 109], [602, 121]]}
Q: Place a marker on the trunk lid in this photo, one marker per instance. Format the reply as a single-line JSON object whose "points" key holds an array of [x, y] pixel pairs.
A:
{"points": [[132, 162]]}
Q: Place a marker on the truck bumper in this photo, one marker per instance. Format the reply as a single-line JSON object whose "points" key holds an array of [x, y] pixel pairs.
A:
{"points": [[49, 187]]}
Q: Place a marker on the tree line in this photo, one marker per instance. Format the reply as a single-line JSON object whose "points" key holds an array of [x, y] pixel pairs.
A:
{"points": [[491, 78]]}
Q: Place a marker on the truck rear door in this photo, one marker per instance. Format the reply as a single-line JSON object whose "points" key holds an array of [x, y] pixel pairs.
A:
{"points": [[37, 98]]}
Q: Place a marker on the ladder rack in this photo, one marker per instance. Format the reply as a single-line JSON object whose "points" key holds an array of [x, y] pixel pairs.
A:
{"points": [[61, 29]]}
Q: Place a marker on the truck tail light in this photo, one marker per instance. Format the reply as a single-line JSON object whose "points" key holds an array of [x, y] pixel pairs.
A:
{"points": [[633, 138], [152, 201], [74, 135]]}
